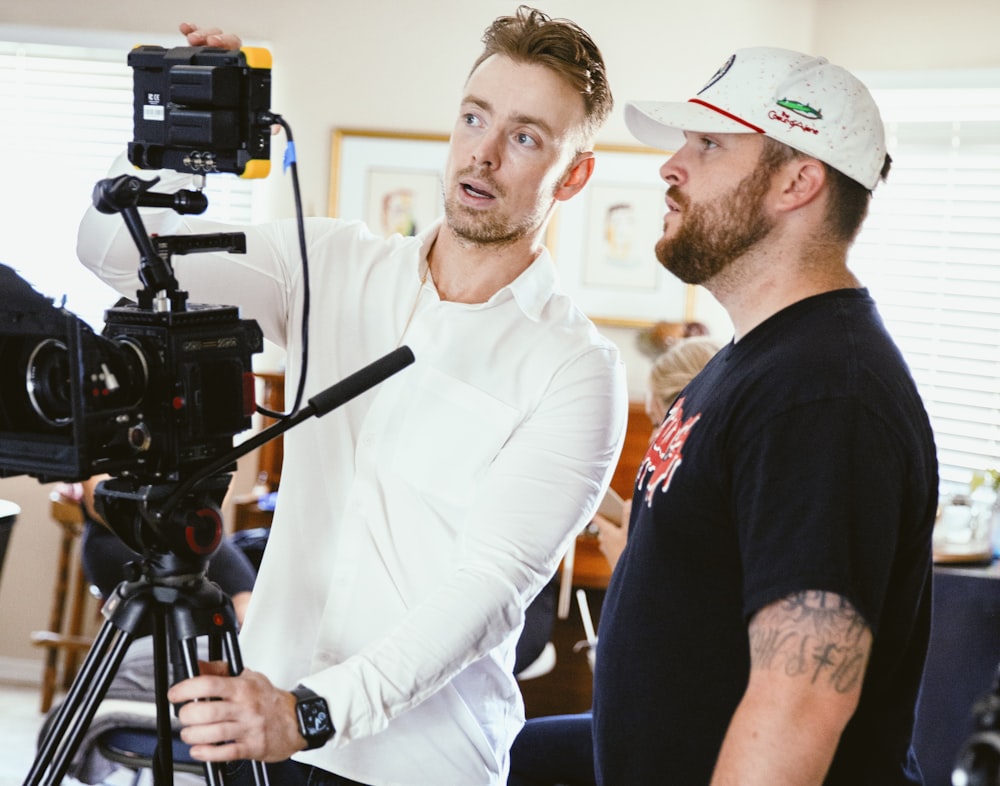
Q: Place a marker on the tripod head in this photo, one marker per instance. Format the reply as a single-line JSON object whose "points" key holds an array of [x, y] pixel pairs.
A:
{"points": [[178, 542]]}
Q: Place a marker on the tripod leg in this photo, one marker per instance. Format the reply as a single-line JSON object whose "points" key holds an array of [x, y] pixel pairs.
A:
{"points": [[64, 736], [163, 761], [231, 646], [214, 771]]}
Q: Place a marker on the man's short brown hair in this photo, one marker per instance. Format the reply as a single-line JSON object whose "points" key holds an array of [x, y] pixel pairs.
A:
{"points": [[531, 36], [848, 201]]}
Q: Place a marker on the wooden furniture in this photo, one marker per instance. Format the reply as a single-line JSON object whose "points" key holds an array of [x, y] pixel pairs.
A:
{"points": [[591, 569], [247, 514], [584, 565], [64, 636], [637, 436], [270, 454]]}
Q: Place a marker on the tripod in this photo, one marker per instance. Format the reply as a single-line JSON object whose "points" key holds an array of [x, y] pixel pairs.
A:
{"points": [[177, 526], [168, 597]]}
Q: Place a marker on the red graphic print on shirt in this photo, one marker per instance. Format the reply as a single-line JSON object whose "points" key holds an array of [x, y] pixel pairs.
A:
{"points": [[665, 451]]}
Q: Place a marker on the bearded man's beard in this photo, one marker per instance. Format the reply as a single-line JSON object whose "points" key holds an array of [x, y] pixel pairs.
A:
{"points": [[712, 236]]}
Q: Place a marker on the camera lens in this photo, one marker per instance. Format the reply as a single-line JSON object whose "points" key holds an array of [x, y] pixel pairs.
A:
{"points": [[115, 377], [48, 382]]}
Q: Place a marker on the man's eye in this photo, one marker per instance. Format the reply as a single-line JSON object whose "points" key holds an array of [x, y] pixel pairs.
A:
{"points": [[525, 139], [471, 120]]}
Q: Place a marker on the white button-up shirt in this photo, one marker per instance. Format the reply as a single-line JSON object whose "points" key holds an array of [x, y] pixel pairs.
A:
{"points": [[415, 522]]}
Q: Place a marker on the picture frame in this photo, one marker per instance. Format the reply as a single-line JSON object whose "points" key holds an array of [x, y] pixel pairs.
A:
{"points": [[390, 180], [603, 239]]}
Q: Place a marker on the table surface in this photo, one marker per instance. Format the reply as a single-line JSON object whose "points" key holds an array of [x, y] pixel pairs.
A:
{"points": [[982, 570]]}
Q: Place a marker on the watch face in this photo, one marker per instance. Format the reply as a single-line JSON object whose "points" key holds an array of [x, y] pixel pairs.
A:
{"points": [[315, 717]]}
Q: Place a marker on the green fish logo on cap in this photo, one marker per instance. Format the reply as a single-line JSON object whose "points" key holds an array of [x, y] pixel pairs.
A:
{"points": [[801, 109]]}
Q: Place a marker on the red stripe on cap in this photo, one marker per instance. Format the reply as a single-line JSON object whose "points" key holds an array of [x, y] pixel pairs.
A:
{"points": [[730, 115]]}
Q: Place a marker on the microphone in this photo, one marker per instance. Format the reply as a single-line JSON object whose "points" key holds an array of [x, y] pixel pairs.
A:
{"points": [[360, 381]]}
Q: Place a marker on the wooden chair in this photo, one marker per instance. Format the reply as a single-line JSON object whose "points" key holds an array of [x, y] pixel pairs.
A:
{"points": [[247, 513], [69, 597], [584, 565]]}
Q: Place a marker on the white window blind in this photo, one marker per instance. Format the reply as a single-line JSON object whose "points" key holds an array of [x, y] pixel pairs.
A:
{"points": [[930, 253], [68, 115]]}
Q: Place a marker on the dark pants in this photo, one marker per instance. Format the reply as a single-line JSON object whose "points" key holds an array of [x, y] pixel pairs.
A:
{"points": [[556, 749], [285, 773]]}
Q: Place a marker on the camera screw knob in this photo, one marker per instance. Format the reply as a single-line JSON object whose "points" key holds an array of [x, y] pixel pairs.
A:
{"points": [[139, 437]]}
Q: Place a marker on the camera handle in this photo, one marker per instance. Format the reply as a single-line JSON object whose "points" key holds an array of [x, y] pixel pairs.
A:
{"points": [[171, 593], [125, 194]]}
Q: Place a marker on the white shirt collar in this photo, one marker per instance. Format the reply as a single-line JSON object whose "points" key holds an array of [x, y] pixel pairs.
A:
{"points": [[532, 289]]}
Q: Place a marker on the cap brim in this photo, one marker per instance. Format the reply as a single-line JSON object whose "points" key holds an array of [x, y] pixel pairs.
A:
{"points": [[661, 124]]}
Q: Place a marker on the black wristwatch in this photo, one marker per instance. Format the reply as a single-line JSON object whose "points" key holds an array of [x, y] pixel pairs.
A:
{"points": [[313, 715]]}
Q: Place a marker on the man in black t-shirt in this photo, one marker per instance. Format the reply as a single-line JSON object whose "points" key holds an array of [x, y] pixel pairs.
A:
{"points": [[769, 618]]}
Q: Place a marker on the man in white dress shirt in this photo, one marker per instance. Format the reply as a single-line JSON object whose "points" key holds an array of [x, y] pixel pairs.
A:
{"points": [[416, 523]]}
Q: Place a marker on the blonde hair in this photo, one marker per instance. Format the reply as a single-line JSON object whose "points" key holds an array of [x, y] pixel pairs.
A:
{"points": [[673, 369]]}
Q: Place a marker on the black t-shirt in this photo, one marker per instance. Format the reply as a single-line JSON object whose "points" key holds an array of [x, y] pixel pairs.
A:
{"points": [[801, 458]]}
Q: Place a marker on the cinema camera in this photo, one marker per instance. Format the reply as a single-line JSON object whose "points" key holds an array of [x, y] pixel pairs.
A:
{"points": [[157, 394]]}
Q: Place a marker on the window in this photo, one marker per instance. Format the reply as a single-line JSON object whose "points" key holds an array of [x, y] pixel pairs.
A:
{"points": [[930, 254], [68, 111]]}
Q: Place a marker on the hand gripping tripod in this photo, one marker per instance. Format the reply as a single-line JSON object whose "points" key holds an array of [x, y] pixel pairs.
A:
{"points": [[177, 527]]}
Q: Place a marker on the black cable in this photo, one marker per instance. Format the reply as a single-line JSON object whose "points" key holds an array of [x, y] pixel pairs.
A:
{"points": [[292, 164]]}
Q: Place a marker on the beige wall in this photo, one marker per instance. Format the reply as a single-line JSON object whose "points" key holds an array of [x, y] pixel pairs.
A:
{"points": [[394, 65], [341, 64]]}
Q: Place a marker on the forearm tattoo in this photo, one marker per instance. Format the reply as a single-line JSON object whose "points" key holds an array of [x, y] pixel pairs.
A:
{"points": [[818, 635]]}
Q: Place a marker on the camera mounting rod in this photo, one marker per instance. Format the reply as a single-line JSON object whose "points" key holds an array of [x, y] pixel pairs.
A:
{"points": [[125, 194]]}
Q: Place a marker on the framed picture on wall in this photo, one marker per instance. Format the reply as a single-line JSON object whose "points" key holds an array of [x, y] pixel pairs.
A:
{"points": [[603, 240], [390, 180]]}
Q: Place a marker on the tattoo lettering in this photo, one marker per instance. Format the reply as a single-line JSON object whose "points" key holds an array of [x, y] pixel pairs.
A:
{"points": [[815, 634]]}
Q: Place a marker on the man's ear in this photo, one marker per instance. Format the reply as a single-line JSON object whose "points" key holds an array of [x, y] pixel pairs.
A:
{"points": [[576, 176], [802, 181]]}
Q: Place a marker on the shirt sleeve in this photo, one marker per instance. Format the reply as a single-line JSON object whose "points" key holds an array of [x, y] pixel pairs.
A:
{"points": [[819, 492]]}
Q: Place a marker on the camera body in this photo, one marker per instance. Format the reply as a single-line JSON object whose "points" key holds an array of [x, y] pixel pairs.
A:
{"points": [[201, 110], [156, 396]]}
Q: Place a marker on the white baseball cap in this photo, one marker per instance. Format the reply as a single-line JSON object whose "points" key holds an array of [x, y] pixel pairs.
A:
{"points": [[808, 103]]}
